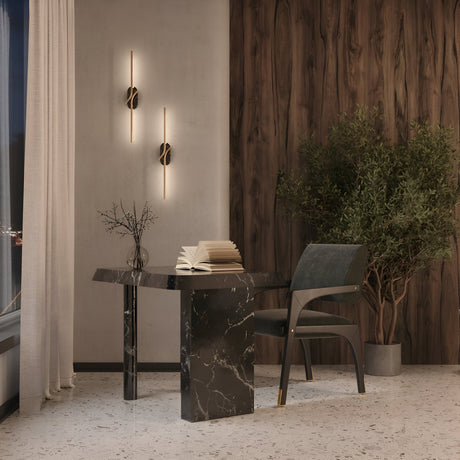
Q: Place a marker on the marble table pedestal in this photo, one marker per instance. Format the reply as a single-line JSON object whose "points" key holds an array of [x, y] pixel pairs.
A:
{"points": [[217, 353], [130, 343]]}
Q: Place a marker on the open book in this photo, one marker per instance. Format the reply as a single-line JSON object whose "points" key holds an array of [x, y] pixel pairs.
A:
{"points": [[210, 256]]}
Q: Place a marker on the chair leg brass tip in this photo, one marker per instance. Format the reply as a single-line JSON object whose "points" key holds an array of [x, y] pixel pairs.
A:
{"points": [[281, 405], [309, 380], [363, 393], [280, 394]]}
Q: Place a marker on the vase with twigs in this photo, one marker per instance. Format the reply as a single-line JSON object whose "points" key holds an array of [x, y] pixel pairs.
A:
{"points": [[124, 222]]}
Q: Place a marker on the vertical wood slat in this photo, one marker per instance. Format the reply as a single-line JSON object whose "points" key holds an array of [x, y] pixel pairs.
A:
{"points": [[294, 64]]}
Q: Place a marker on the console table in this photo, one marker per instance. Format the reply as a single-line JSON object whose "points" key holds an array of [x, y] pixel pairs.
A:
{"points": [[217, 335]]}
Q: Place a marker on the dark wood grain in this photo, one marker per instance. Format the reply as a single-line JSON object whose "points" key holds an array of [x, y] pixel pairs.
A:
{"points": [[294, 64]]}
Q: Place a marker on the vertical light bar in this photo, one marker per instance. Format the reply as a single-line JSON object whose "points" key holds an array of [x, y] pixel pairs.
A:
{"points": [[165, 153], [131, 102], [132, 97], [164, 159]]}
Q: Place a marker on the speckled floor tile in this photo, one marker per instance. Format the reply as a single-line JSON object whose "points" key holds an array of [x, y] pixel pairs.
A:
{"points": [[413, 416]]}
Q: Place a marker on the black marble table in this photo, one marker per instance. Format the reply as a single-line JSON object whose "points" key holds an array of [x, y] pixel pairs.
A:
{"points": [[217, 335]]}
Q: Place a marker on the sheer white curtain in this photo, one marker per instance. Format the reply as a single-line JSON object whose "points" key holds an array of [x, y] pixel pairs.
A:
{"points": [[5, 211], [48, 248]]}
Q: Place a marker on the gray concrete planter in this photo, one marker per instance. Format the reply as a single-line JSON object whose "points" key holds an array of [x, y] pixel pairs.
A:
{"points": [[382, 359]]}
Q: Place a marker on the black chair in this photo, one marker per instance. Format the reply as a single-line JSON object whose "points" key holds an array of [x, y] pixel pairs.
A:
{"points": [[327, 272]]}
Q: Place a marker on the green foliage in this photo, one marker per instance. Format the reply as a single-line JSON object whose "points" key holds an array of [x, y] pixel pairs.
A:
{"points": [[397, 199]]}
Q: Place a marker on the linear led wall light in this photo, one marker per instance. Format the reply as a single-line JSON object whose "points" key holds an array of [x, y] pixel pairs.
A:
{"points": [[132, 98], [165, 153]]}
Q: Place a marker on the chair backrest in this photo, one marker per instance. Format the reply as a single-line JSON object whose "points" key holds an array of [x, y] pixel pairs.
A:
{"points": [[327, 265]]}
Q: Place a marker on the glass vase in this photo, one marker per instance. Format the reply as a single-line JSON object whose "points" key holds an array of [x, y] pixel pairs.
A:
{"points": [[137, 257]]}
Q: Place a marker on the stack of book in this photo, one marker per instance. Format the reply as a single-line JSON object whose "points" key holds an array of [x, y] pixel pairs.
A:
{"points": [[210, 256]]}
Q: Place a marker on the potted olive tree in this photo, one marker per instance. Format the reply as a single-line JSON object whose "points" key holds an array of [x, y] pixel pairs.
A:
{"points": [[396, 198]]}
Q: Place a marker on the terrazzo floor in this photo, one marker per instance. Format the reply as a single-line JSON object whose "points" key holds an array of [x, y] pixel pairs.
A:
{"points": [[413, 416]]}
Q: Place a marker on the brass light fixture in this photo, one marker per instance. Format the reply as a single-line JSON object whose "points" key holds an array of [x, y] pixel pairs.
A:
{"points": [[132, 99], [165, 153]]}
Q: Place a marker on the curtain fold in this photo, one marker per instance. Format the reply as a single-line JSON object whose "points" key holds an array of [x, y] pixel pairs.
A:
{"points": [[46, 360], [6, 293]]}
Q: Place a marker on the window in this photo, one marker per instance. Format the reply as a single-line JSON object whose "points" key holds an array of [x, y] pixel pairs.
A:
{"points": [[14, 23]]}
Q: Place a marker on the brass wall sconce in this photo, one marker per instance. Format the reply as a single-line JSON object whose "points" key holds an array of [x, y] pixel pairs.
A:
{"points": [[132, 98], [165, 153]]}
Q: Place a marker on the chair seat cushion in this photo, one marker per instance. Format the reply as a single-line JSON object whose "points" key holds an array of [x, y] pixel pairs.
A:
{"points": [[274, 321]]}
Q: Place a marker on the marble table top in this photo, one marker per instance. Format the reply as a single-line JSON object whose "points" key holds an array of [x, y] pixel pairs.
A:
{"points": [[170, 278]]}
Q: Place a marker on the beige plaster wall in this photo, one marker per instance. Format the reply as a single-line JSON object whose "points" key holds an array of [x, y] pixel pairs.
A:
{"points": [[181, 61]]}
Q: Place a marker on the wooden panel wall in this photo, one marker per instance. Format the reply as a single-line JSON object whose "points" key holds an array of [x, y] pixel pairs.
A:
{"points": [[294, 64]]}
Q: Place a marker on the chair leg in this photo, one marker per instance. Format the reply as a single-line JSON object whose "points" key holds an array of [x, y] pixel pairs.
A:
{"points": [[285, 368], [307, 357], [354, 340]]}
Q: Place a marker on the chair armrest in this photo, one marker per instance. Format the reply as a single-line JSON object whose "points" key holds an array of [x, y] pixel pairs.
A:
{"points": [[303, 297]]}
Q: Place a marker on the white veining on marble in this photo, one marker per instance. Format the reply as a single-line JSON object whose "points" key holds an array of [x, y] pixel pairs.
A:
{"points": [[239, 323], [415, 416]]}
